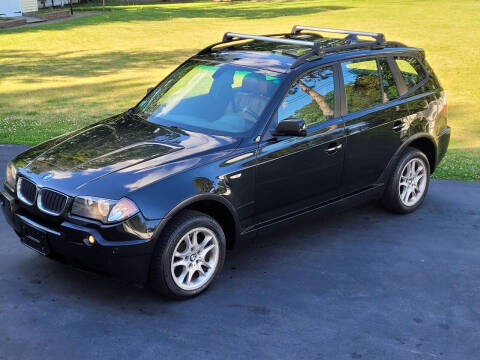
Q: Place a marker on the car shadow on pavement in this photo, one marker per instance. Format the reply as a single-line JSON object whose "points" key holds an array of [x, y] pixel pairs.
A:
{"points": [[285, 243]]}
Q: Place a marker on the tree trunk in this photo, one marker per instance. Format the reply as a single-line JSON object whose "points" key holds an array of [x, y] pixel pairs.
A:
{"points": [[319, 99]]}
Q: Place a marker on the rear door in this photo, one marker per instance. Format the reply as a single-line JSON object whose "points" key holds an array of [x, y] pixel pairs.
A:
{"points": [[294, 173], [375, 119]]}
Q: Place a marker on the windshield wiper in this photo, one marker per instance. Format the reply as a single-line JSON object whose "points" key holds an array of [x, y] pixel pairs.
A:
{"points": [[131, 113]]}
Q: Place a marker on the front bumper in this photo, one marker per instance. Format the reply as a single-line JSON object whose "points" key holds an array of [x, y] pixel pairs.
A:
{"points": [[122, 251]]}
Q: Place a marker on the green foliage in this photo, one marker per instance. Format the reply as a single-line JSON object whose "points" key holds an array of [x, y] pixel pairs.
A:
{"points": [[364, 92], [311, 113], [62, 76]]}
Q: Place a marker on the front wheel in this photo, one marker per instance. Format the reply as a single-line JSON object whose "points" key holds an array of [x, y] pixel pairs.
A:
{"points": [[408, 183], [189, 255]]}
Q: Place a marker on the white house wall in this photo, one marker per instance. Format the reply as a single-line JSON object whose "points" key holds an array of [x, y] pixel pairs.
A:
{"points": [[29, 6]]}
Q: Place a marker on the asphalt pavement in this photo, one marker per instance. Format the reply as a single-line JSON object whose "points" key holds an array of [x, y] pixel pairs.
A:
{"points": [[362, 284]]}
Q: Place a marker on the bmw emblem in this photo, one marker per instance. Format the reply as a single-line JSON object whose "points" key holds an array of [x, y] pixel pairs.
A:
{"points": [[47, 177]]}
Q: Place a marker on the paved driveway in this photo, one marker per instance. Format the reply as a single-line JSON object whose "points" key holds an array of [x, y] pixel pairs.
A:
{"points": [[363, 284]]}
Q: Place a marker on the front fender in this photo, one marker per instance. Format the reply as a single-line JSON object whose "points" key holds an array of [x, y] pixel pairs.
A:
{"points": [[197, 199], [228, 181]]}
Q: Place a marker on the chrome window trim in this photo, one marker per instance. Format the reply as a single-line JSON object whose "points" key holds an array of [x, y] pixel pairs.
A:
{"points": [[19, 193]]}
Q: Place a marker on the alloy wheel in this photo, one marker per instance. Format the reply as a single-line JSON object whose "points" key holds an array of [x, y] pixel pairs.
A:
{"points": [[195, 258], [413, 182]]}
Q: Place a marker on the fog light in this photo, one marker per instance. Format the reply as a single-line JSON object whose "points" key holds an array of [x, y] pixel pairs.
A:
{"points": [[91, 239]]}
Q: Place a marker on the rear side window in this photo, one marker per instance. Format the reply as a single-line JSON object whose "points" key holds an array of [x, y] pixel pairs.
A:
{"points": [[411, 70], [390, 91], [362, 84]]}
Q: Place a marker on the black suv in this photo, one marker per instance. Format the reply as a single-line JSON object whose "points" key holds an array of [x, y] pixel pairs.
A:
{"points": [[251, 131]]}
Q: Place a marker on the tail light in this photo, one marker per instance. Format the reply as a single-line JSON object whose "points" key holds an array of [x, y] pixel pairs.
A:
{"points": [[445, 106]]}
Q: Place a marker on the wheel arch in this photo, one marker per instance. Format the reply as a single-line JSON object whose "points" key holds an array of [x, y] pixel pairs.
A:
{"points": [[428, 146], [421, 141], [213, 205]]}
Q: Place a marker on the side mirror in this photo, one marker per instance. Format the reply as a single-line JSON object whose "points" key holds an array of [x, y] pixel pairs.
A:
{"points": [[149, 90], [291, 127]]}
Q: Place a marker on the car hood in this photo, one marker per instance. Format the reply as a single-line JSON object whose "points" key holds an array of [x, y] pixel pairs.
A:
{"points": [[118, 155]]}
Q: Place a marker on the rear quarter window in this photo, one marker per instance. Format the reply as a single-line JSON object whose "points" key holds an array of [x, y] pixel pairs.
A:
{"points": [[411, 70]]}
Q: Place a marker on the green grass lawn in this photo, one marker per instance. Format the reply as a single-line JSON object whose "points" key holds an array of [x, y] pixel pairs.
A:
{"points": [[58, 77]]}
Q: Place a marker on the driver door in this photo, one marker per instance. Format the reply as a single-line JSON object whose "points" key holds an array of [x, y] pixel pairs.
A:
{"points": [[295, 173]]}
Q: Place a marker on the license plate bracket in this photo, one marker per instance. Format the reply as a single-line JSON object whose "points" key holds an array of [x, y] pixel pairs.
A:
{"points": [[35, 239]]}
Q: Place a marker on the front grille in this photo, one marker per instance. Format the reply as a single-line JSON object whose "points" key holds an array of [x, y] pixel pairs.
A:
{"points": [[51, 202], [27, 191]]}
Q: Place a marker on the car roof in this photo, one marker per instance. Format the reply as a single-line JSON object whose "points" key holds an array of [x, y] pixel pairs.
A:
{"points": [[284, 57], [260, 54]]}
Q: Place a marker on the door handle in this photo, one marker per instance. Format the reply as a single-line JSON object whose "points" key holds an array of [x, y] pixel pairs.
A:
{"points": [[333, 148], [397, 126]]}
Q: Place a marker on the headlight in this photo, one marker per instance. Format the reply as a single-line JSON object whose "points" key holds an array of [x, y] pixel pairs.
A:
{"points": [[104, 210], [11, 176]]}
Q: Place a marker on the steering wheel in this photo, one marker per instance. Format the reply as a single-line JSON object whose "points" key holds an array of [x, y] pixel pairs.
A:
{"points": [[252, 117]]}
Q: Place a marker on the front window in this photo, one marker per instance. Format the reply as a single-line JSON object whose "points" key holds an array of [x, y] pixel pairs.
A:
{"points": [[210, 97], [311, 98]]}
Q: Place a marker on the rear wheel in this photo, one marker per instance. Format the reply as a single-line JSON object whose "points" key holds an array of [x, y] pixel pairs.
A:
{"points": [[189, 255], [408, 183]]}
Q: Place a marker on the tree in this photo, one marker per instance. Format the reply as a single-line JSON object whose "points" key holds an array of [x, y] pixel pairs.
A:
{"points": [[319, 99]]}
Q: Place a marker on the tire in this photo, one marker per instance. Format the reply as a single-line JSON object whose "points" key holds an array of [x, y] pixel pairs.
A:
{"points": [[409, 196], [186, 235]]}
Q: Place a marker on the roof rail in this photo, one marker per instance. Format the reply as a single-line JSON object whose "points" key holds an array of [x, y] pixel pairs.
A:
{"points": [[380, 38], [236, 36], [317, 47]]}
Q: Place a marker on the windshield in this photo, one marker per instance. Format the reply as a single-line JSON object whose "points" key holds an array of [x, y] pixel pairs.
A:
{"points": [[210, 97]]}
